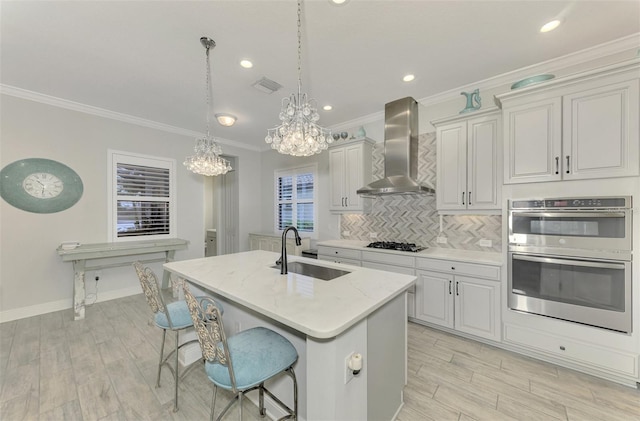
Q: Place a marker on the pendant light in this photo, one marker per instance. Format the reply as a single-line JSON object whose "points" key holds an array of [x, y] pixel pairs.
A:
{"points": [[207, 159], [298, 134]]}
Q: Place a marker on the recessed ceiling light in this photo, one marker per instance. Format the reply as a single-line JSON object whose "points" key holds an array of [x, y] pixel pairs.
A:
{"points": [[327, 108], [338, 2], [226, 119], [550, 26], [408, 78], [247, 64]]}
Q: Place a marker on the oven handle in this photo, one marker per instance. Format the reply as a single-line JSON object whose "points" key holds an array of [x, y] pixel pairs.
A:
{"points": [[591, 264], [572, 214]]}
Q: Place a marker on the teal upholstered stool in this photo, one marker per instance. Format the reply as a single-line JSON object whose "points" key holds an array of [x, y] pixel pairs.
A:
{"points": [[174, 316], [244, 361]]}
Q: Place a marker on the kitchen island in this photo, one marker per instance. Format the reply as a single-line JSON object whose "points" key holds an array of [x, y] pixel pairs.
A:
{"points": [[361, 312]]}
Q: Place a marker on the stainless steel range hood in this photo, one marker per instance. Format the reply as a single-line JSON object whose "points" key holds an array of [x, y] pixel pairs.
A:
{"points": [[400, 152]]}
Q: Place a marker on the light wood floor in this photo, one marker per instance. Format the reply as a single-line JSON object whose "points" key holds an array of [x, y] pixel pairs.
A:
{"points": [[103, 368]]}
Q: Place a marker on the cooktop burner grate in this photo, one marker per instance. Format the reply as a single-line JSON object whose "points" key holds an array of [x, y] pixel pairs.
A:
{"points": [[392, 245]]}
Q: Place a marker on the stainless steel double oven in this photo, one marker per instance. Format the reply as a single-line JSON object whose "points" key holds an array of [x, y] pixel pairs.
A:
{"points": [[570, 259]]}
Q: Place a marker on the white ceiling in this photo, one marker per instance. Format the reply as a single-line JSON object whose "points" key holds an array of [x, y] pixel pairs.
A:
{"points": [[144, 58]]}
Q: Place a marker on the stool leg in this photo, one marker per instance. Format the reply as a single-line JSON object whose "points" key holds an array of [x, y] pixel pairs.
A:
{"points": [[295, 393], [164, 334], [213, 401], [240, 404], [175, 404], [263, 412]]}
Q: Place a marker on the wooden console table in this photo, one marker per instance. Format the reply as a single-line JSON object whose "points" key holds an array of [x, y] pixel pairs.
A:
{"points": [[84, 252]]}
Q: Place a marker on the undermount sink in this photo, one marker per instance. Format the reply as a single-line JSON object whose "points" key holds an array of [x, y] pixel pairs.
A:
{"points": [[314, 271]]}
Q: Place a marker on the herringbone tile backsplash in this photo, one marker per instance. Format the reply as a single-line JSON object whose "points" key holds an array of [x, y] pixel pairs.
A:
{"points": [[414, 219]]}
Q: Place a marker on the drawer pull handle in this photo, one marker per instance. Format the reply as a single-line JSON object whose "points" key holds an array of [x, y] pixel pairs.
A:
{"points": [[453, 268], [562, 348]]}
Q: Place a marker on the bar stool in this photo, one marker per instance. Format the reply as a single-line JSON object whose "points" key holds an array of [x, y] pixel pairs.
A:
{"points": [[174, 316], [244, 361]]}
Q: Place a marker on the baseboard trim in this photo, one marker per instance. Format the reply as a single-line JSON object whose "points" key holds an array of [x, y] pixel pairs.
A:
{"points": [[50, 307]]}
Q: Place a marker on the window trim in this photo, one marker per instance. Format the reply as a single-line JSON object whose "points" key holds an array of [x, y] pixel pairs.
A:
{"points": [[309, 168], [113, 158]]}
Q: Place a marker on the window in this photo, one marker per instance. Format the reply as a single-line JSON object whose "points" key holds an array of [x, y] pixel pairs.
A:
{"points": [[142, 197], [295, 199]]}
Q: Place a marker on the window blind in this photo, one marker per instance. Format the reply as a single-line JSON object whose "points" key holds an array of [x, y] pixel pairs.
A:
{"points": [[143, 200]]}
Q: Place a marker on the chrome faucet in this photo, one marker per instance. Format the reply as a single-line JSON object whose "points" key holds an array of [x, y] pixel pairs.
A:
{"points": [[283, 252]]}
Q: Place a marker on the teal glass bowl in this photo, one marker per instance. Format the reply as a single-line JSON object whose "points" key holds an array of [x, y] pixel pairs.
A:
{"points": [[532, 81]]}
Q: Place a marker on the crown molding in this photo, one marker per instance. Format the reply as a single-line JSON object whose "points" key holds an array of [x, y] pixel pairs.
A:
{"points": [[101, 112], [628, 43]]}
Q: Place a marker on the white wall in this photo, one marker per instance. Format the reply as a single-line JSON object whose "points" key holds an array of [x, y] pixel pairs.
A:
{"points": [[33, 279]]}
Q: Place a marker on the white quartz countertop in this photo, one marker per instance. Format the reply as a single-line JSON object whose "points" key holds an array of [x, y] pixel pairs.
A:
{"points": [[470, 256], [317, 308]]}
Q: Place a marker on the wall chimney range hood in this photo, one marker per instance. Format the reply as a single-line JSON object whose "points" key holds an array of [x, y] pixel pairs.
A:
{"points": [[400, 152]]}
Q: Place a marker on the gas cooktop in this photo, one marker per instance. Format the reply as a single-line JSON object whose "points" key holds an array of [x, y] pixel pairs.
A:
{"points": [[392, 245]]}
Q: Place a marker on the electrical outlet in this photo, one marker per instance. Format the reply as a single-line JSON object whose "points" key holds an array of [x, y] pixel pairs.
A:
{"points": [[442, 240], [485, 243], [346, 233], [373, 235], [348, 373]]}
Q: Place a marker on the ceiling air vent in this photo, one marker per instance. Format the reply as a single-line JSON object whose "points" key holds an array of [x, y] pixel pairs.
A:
{"points": [[267, 86]]}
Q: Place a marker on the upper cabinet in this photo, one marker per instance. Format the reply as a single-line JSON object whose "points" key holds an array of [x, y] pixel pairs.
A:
{"points": [[468, 161], [579, 127], [349, 170]]}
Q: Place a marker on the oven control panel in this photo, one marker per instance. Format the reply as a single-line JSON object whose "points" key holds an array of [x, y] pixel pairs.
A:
{"points": [[573, 203]]}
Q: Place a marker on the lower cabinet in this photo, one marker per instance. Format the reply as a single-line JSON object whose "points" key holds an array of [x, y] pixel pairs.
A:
{"points": [[464, 303]]}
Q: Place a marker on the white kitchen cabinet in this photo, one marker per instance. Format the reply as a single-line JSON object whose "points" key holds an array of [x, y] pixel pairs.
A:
{"points": [[449, 295], [273, 242], [582, 126], [340, 255], [212, 243], [349, 170], [469, 170]]}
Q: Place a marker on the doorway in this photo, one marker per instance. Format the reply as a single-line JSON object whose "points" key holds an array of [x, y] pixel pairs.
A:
{"points": [[227, 204]]}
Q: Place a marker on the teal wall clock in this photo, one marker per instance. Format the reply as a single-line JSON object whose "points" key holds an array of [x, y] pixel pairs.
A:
{"points": [[40, 185]]}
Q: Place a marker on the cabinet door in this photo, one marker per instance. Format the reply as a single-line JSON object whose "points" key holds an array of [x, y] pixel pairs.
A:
{"points": [[477, 307], [434, 298], [353, 176], [483, 178], [337, 158], [533, 141], [600, 132], [452, 166]]}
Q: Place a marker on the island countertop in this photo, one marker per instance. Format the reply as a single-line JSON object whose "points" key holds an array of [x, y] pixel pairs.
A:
{"points": [[317, 308]]}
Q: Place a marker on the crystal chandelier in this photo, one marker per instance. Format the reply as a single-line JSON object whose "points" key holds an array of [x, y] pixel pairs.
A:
{"points": [[207, 159], [298, 133]]}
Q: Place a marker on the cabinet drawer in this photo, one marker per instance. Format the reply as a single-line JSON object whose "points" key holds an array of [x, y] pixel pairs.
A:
{"points": [[389, 258], [572, 350], [459, 268], [340, 252], [342, 260]]}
